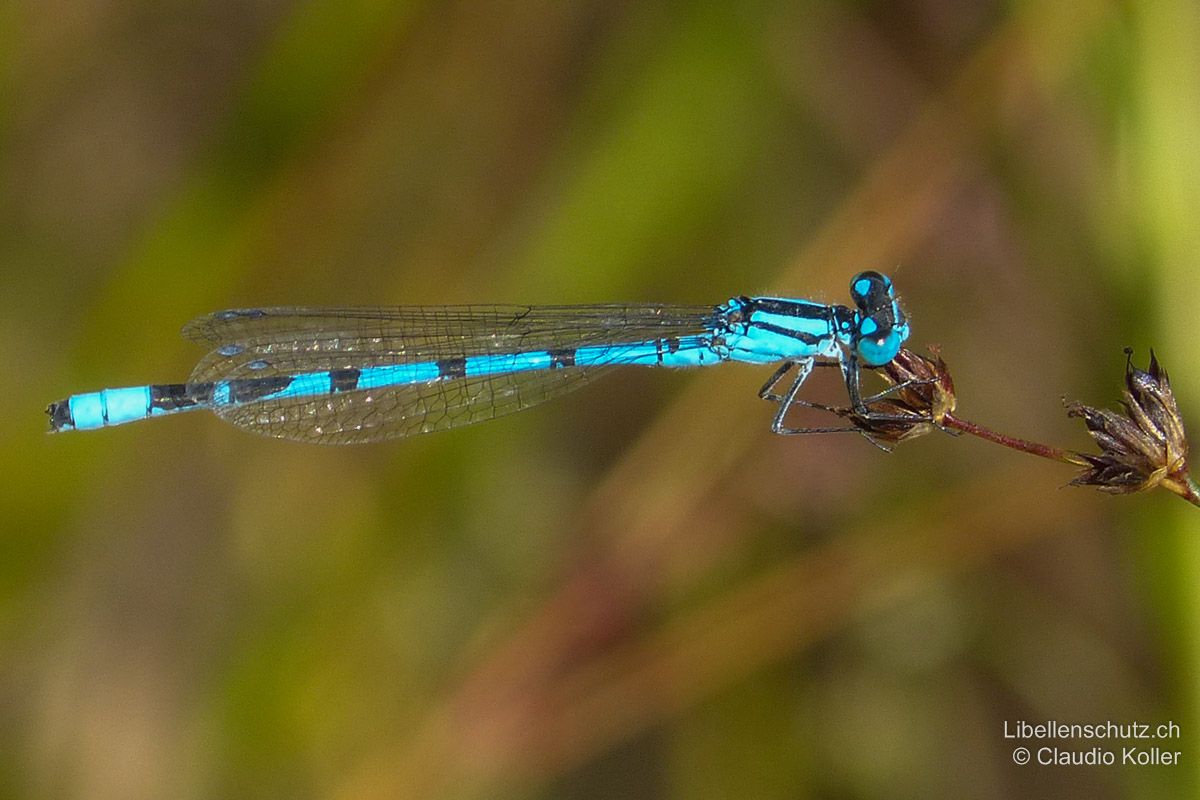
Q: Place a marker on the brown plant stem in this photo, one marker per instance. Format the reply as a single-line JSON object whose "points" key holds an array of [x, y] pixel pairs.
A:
{"points": [[1023, 445], [1182, 485]]}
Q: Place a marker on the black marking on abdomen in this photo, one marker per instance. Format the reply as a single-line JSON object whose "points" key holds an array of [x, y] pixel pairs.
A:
{"points": [[562, 358], [452, 368], [172, 396], [60, 416], [344, 380], [245, 390]]}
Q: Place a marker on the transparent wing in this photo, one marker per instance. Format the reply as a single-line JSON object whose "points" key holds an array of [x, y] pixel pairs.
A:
{"points": [[271, 342], [284, 341]]}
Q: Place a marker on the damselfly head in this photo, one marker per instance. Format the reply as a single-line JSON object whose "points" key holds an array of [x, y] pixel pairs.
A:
{"points": [[881, 326]]}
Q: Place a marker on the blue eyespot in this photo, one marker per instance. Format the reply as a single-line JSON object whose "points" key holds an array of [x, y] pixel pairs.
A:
{"points": [[871, 290]]}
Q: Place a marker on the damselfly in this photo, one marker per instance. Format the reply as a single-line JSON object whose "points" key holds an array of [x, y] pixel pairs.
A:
{"points": [[352, 375]]}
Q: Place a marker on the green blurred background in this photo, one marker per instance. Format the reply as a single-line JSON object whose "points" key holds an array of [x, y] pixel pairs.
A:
{"points": [[636, 591]]}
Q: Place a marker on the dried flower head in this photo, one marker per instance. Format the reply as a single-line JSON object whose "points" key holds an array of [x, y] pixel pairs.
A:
{"points": [[1142, 448], [919, 400]]}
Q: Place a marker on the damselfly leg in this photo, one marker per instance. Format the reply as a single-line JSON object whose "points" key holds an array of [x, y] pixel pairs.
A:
{"points": [[859, 406]]}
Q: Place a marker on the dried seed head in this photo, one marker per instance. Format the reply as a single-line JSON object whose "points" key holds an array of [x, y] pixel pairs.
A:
{"points": [[1143, 448], [922, 398]]}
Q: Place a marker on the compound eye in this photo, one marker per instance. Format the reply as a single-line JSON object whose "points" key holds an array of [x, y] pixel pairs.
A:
{"points": [[871, 291], [879, 347]]}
